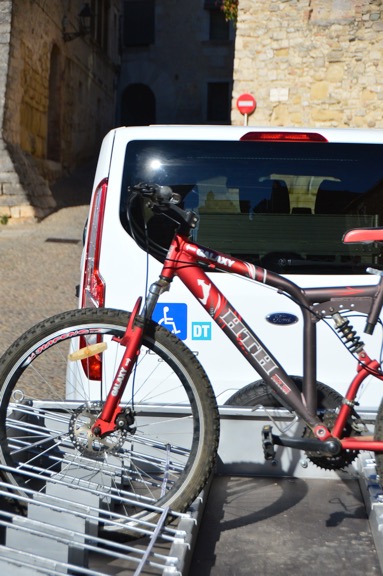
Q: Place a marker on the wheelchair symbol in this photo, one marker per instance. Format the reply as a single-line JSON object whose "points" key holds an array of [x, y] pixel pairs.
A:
{"points": [[173, 317], [168, 322]]}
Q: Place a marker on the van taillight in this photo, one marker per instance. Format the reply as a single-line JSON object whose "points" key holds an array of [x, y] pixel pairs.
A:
{"points": [[284, 137], [92, 366], [93, 286]]}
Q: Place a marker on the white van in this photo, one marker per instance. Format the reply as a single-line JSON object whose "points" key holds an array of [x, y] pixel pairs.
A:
{"points": [[279, 198]]}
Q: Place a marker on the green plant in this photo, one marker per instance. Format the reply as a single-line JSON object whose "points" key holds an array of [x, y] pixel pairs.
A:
{"points": [[230, 9], [4, 219]]}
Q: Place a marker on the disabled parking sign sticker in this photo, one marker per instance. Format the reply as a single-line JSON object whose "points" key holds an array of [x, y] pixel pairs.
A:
{"points": [[172, 316]]}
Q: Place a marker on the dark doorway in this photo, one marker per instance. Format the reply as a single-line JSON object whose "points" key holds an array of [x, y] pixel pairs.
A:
{"points": [[138, 106]]}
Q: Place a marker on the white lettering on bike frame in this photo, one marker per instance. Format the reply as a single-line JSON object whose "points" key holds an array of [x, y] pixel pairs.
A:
{"points": [[248, 341], [224, 262], [215, 257]]}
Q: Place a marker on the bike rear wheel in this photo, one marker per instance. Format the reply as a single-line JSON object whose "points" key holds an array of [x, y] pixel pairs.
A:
{"points": [[328, 403], [164, 453]]}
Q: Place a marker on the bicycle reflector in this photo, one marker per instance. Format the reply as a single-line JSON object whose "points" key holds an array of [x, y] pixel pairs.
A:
{"points": [[93, 286], [283, 137]]}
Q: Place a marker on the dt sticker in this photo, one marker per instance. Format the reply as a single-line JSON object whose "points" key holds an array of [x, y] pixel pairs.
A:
{"points": [[201, 330], [172, 316]]}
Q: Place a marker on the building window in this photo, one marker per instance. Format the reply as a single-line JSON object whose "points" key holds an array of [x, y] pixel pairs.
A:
{"points": [[100, 9], [218, 102], [219, 28], [138, 22]]}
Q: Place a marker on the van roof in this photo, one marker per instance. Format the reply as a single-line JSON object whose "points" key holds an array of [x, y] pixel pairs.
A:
{"points": [[220, 132]]}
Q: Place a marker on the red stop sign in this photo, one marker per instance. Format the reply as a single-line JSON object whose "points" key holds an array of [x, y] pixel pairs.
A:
{"points": [[246, 103]]}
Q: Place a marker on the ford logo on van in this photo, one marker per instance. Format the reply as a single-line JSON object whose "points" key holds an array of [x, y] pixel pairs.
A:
{"points": [[282, 318]]}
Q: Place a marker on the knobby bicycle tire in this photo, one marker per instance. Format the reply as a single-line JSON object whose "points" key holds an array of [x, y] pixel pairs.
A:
{"points": [[164, 454]]}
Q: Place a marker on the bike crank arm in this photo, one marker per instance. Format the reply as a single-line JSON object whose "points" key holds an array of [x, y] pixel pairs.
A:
{"points": [[131, 340], [329, 447]]}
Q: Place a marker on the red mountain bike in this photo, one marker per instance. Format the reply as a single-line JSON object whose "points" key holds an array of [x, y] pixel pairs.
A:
{"points": [[131, 408]]}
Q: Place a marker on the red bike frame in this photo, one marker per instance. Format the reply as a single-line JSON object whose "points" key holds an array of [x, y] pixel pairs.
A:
{"points": [[189, 261]]}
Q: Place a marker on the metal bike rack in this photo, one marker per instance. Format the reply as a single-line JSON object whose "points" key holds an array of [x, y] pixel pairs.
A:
{"points": [[373, 500], [59, 534]]}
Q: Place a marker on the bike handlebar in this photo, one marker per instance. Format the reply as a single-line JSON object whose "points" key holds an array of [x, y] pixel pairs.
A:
{"points": [[158, 195], [162, 200]]}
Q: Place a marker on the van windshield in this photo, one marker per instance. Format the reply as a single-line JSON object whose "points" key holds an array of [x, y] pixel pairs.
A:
{"points": [[283, 206]]}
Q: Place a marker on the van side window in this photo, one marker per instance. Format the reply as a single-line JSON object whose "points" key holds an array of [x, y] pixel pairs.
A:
{"points": [[284, 206]]}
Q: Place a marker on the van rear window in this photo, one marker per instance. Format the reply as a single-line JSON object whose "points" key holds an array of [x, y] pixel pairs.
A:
{"points": [[284, 206]]}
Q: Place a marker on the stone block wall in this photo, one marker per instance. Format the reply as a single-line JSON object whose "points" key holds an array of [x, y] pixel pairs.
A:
{"points": [[57, 95], [310, 62]]}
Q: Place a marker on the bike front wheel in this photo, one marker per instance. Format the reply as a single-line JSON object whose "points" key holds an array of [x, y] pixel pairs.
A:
{"points": [[164, 450]]}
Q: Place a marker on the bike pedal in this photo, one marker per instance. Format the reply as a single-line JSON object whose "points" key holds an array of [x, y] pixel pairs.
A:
{"points": [[268, 443]]}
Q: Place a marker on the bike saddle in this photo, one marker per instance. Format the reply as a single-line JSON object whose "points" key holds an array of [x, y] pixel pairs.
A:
{"points": [[363, 235]]}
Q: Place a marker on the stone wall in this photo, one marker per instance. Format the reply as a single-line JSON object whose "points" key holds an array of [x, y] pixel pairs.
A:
{"points": [[311, 62], [57, 97]]}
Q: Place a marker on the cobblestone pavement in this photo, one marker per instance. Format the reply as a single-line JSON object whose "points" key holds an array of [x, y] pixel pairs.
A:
{"points": [[40, 262]]}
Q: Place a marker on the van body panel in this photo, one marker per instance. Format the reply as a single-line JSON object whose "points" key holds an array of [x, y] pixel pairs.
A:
{"points": [[127, 271]]}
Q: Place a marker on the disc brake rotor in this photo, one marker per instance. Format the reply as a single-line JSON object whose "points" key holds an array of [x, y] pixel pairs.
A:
{"points": [[82, 437]]}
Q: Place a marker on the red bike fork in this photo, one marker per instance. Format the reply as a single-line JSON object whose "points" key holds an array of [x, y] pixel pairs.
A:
{"points": [[131, 340]]}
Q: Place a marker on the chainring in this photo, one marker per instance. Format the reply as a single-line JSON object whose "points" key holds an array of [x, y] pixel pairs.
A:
{"points": [[345, 457], [83, 439]]}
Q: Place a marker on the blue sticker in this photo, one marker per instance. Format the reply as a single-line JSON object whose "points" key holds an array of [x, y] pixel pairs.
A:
{"points": [[172, 316], [201, 330]]}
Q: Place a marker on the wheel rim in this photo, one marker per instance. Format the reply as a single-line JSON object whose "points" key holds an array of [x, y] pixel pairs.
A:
{"points": [[46, 412]]}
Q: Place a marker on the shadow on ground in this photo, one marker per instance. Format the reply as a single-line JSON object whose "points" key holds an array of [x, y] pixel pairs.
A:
{"points": [[75, 189]]}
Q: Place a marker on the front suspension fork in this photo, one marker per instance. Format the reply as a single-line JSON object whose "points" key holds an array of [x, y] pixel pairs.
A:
{"points": [[131, 340]]}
